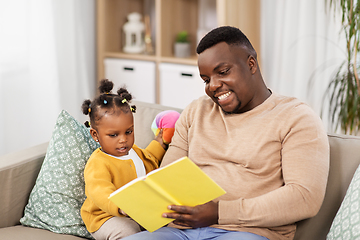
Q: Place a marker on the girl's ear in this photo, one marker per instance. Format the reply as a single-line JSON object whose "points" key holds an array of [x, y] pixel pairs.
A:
{"points": [[94, 134]]}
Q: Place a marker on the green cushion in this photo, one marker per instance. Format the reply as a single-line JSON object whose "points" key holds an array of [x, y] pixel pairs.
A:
{"points": [[59, 192], [346, 224]]}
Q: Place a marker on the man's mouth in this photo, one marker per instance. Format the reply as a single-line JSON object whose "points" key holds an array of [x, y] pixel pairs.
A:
{"points": [[223, 96]]}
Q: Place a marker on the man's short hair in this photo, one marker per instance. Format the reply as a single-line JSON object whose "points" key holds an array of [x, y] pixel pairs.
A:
{"points": [[230, 35]]}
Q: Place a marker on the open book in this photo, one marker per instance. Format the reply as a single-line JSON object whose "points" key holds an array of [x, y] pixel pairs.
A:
{"points": [[146, 198]]}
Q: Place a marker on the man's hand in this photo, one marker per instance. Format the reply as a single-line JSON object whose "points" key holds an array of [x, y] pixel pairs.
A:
{"points": [[195, 217]]}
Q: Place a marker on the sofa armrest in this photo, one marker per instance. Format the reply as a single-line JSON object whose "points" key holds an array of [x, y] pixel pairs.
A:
{"points": [[18, 173]]}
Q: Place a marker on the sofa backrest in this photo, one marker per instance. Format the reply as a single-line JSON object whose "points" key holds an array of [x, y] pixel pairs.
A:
{"points": [[344, 160]]}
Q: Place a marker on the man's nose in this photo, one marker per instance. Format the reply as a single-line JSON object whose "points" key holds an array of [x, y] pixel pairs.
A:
{"points": [[214, 84]]}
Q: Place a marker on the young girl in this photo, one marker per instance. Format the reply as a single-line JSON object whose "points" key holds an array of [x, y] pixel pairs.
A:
{"points": [[115, 163]]}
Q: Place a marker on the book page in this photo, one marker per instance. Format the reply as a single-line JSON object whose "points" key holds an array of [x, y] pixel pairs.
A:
{"points": [[186, 183], [145, 199]]}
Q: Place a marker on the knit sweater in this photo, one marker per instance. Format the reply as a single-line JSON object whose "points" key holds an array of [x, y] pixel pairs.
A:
{"points": [[104, 174], [272, 161]]}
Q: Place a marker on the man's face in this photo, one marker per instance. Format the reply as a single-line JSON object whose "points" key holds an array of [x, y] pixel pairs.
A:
{"points": [[228, 75]]}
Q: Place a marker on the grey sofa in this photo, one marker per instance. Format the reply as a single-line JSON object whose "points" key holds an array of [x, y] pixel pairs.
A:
{"points": [[19, 170]]}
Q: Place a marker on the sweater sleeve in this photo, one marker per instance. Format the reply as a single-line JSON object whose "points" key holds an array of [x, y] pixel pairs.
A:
{"points": [[156, 150], [305, 165], [99, 186]]}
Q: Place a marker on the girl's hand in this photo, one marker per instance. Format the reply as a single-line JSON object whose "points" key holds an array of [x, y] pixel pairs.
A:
{"points": [[159, 138], [122, 212]]}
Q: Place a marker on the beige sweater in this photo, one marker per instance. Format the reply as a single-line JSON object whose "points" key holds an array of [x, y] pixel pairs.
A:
{"points": [[273, 162]]}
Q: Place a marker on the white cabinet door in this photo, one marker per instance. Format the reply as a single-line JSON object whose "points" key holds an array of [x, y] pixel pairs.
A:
{"points": [[179, 84], [137, 76]]}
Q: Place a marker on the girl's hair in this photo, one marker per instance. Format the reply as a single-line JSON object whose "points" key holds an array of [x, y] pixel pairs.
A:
{"points": [[106, 102]]}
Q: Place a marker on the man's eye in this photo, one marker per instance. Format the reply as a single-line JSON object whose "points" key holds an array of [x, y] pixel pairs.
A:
{"points": [[224, 71], [206, 80]]}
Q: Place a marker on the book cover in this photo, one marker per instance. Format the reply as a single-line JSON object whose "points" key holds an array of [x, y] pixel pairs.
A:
{"points": [[146, 198]]}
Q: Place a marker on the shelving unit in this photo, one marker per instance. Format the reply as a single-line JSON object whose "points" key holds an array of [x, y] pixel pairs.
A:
{"points": [[168, 17]]}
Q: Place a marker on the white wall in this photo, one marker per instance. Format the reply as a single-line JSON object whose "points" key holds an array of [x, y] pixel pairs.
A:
{"points": [[47, 63], [47, 60], [301, 46]]}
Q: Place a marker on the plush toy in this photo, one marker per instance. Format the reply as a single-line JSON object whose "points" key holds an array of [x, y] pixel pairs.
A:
{"points": [[165, 120]]}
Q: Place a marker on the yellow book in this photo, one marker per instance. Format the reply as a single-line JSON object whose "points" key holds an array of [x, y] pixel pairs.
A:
{"points": [[146, 198]]}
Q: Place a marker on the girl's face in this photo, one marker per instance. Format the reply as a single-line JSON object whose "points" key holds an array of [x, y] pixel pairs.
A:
{"points": [[115, 133]]}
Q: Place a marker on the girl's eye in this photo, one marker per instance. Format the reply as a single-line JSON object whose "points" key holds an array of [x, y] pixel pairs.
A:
{"points": [[129, 132], [113, 135]]}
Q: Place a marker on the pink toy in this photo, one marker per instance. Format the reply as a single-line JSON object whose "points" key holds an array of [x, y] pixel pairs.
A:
{"points": [[165, 120]]}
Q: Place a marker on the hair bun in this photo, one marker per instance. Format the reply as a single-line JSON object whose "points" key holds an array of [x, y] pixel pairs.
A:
{"points": [[106, 86]]}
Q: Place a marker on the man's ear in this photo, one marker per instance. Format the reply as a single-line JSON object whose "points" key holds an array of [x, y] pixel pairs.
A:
{"points": [[252, 63], [94, 134]]}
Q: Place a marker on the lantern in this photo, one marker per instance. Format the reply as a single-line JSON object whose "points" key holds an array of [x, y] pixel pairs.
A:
{"points": [[134, 34]]}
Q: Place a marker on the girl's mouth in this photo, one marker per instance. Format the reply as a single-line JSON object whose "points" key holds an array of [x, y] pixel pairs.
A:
{"points": [[122, 149]]}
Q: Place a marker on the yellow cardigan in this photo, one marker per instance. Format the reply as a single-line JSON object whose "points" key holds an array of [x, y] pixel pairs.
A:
{"points": [[104, 174]]}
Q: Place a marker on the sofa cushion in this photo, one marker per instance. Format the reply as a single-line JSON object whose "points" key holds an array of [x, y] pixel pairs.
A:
{"points": [[55, 201], [21, 232], [346, 224]]}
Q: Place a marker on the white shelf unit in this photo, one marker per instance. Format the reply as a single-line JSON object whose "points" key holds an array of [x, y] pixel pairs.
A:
{"points": [[167, 18], [137, 75], [179, 84]]}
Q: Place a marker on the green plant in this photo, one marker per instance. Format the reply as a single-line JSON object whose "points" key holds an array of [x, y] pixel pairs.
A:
{"points": [[182, 37], [344, 88]]}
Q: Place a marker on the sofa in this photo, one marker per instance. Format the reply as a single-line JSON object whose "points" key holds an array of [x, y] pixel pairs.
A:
{"points": [[19, 171]]}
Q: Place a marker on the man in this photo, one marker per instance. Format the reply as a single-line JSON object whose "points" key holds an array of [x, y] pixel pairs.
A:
{"points": [[270, 153]]}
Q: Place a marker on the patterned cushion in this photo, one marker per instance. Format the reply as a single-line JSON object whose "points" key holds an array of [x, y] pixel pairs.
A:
{"points": [[55, 201], [346, 224]]}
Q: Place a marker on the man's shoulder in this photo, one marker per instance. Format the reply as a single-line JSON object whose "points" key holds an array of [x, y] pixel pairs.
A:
{"points": [[295, 109], [289, 102]]}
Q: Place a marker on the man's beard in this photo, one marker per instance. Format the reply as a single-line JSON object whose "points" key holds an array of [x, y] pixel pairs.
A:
{"points": [[235, 111]]}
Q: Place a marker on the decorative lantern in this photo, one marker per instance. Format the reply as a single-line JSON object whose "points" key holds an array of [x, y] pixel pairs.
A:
{"points": [[134, 34]]}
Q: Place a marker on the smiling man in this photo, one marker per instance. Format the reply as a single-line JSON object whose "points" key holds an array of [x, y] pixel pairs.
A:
{"points": [[232, 78], [269, 152]]}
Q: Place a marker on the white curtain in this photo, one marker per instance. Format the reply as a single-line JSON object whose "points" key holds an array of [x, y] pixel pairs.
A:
{"points": [[301, 46], [47, 63]]}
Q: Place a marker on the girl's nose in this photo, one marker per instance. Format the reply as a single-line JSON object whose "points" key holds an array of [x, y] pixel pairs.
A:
{"points": [[122, 139]]}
